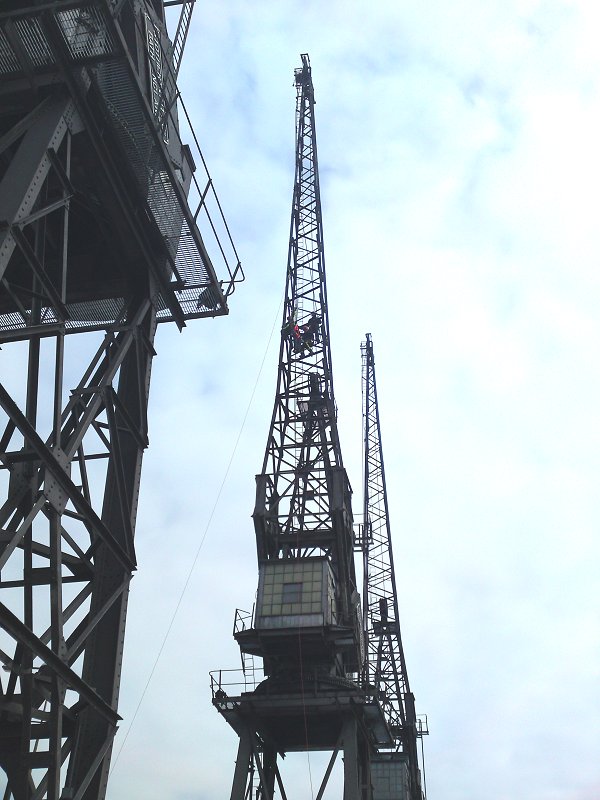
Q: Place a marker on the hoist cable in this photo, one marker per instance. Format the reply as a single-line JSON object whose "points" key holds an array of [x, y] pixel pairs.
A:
{"points": [[204, 535]]}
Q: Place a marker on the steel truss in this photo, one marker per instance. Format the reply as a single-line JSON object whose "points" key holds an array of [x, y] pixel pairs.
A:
{"points": [[67, 557], [97, 237], [385, 667], [257, 772], [310, 699], [303, 494]]}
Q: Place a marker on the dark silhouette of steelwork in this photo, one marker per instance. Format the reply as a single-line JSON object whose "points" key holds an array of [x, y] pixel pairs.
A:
{"points": [[307, 624], [332, 677], [386, 675], [303, 496], [105, 230]]}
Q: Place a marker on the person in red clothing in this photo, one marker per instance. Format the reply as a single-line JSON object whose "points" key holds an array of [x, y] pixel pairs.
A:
{"points": [[310, 332], [302, 336]]}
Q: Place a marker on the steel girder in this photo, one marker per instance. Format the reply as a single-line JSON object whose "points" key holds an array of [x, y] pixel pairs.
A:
{"points": [[67, 555], [257, 775], [270, 725], [71, 464], [385, 673]]}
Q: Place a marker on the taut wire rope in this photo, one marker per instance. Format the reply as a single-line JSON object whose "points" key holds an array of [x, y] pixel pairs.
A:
{"points": [[199, 548]]}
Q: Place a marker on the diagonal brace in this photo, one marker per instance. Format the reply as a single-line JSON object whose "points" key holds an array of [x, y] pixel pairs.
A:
{"points": [[46, 456], [13, 625]]}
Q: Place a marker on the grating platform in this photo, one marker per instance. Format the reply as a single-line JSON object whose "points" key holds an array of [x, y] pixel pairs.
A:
{"points": [[89, 49]]}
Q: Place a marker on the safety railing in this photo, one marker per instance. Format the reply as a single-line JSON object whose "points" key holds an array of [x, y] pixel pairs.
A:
{"points": [[228, 684], [242, 620], [146, 121]]}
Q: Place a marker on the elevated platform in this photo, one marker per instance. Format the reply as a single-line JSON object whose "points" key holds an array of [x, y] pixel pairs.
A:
{"points": [[295, 715], [89, 129], [309, 642]]}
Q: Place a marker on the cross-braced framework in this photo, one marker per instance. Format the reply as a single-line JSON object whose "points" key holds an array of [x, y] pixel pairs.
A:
{"points": [[306, 625], [100, 212], [303, 489], [67, 556], [385, 666]]}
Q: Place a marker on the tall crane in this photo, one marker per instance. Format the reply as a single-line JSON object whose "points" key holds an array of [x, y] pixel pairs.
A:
{"points": [[103, 222], [318, 691], [306, 625], [385, 666]]}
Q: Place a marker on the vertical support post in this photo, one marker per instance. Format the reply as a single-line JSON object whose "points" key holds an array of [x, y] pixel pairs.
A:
{"points": [[269, 769], [349, 733], [57, 645], [242, 766], [25, 175]]}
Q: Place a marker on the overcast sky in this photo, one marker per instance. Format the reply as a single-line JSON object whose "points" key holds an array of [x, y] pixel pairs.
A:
{"points": [[460, 172]]}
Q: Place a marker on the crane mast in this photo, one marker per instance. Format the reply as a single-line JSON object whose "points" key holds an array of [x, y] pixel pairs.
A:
{"points": [[385, 665], [306, 626], [333, 678], [303, 495]]}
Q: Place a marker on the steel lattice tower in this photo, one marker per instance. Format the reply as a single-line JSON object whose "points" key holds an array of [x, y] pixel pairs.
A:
{"points": [[303, 495], [307, 623], [100, 215], [385, 666]]}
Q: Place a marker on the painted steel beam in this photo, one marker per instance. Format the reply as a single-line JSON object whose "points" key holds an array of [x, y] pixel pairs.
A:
{"points": [[13, 625], [60, 477], [24, 178]]}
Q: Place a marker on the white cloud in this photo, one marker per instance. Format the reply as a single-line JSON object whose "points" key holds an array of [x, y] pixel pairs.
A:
{"points": [[459, 162]]}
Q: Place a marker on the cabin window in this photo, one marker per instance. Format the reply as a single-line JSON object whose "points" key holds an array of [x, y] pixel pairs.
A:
{"points": [[292, 593]]}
